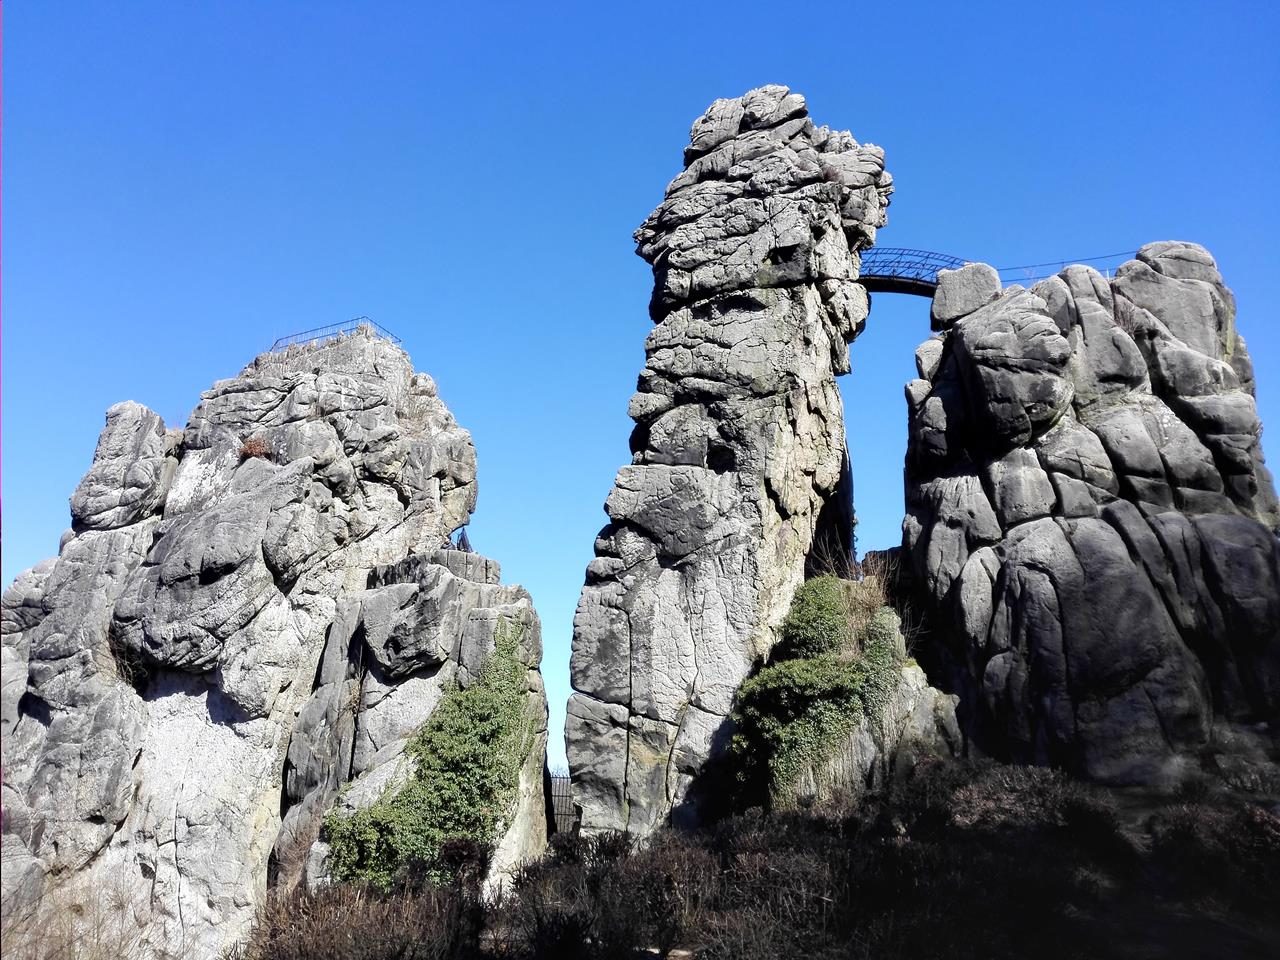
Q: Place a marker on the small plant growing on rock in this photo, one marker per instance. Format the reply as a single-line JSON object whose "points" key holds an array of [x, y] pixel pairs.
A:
{"points": [[468, 757], [831, 615], [793, 713], [818, 621], [835, 665], [254, 447]]}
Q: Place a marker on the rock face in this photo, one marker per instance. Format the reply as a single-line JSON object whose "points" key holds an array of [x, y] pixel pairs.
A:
{"points": [[739, 454], [246, 615], [1091, 520], [918, 722]]}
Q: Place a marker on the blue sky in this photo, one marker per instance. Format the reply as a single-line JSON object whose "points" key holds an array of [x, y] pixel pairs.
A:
{"points": [[183, 182]]}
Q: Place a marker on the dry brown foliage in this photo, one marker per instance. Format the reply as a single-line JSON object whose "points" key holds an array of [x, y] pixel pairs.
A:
{"points": [[254, 447], [344, 922]]}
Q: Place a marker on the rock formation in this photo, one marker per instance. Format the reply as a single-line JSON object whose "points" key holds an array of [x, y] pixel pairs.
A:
{"points": [[738, 452], [917, 722], [245, 616], [1091, 521]]}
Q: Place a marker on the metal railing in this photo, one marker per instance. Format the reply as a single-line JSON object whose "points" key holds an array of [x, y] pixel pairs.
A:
{"points": [[333, 331], [1034, 272], [563, 811], [906, 270]]}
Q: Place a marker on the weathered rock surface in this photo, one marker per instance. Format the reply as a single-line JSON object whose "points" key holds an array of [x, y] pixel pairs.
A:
{"points": [[739, 452], [1090, 515], [249, 614], [918, 722]]}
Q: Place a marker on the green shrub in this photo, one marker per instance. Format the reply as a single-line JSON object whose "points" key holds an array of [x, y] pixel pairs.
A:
{"points": [[818, 621], [883, 631], [468, 757], [794, 713]]}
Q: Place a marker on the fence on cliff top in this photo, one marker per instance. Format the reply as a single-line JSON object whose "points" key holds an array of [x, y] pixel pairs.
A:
{"points": [[334, 331]]}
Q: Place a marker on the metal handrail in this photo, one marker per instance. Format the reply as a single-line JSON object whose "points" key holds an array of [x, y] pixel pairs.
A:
{"points": [[908, 270], [333, 331]]}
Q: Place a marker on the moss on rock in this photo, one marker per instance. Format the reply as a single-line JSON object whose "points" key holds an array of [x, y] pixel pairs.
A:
{"points": [[835, 667], [467, 758]]}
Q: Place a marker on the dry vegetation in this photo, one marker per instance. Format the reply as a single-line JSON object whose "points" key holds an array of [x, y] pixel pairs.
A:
{"points": [[961, 861], [362, 923], [75, 924], [254, 447]]}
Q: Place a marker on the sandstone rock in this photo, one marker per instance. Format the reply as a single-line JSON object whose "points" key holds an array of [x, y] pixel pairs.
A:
{"points": [[1012, 360], [235, 630], [131, 470], [1118, 447], [917, 722], [961, 292], [739, 464]]}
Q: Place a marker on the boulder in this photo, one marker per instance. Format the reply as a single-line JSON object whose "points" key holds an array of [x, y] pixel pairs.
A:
{"points": [[961, 292]]}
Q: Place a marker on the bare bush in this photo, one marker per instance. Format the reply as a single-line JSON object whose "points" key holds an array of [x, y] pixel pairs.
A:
{"points": [[959, 860], [345, 922], [75, 923]]}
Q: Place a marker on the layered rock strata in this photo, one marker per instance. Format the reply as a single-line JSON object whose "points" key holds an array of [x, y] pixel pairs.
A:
{"points": [[739, 454], [1092, 523], [246, 615]]}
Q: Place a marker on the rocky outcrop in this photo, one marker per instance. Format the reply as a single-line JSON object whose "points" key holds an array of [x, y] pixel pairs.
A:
{"points": [[1091, 521], [246, 615], [738, 452], [916, 723]]}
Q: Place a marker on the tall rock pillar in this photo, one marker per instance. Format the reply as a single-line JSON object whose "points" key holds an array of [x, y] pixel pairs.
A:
{"points": [[738, 451]]}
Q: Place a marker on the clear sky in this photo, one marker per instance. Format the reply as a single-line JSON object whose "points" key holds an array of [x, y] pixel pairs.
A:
{"points": [[183, 182]]}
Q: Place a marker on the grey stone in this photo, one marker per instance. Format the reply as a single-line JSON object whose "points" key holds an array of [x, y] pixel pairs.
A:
{"points": [[1020, 490], [739, 459], [131, 470], [222, 632], [1013, 363], [917, 722], [928, 357], [1073, 450], [1124, 622], [960, 292]]}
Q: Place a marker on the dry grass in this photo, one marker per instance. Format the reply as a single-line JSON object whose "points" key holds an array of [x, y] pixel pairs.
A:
{"points": [[871, 581], [863, 600], [76, 924], [345, 922]]}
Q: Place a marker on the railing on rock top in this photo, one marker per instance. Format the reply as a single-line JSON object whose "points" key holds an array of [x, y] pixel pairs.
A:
{"points": [[333, 331]]}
